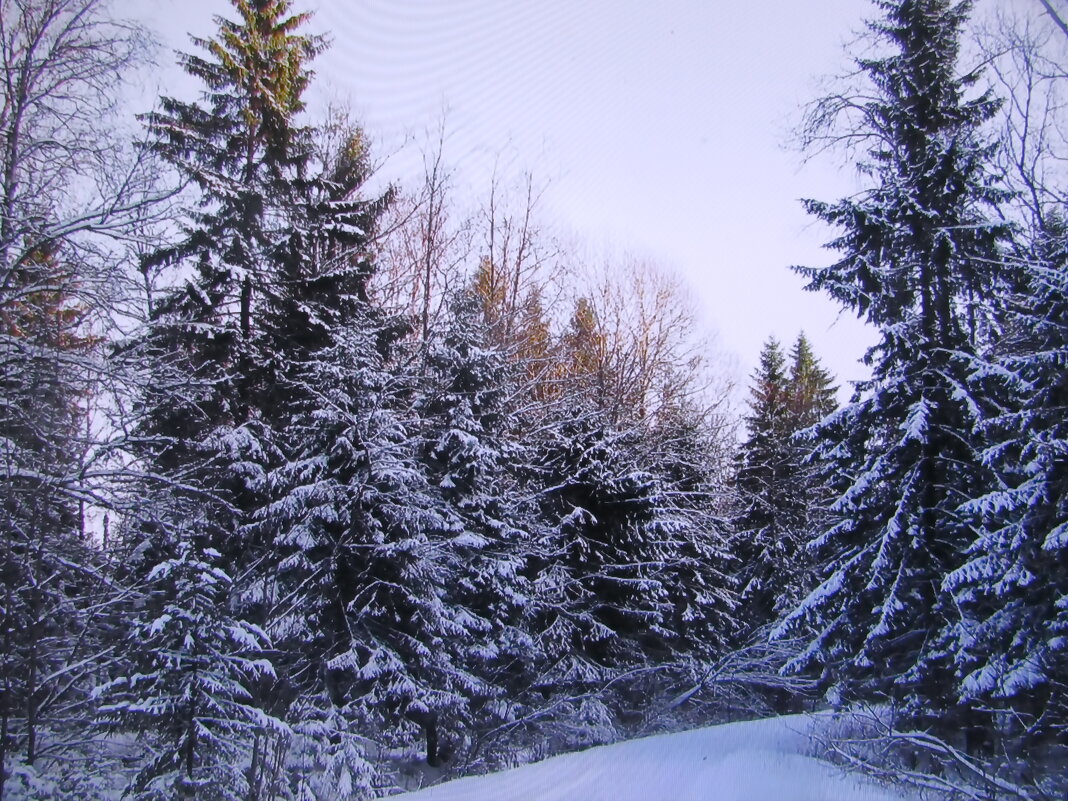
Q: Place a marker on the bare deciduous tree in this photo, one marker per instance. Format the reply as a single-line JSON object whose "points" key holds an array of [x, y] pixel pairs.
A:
{"points": [[426, 244], [70, 191], [1027, 62], [1056, 15], [652, 356]]}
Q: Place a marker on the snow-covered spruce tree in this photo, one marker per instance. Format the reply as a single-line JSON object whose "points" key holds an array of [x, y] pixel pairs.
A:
{"points": [[188, 691], [681, 449], [1011, 645], [243, 154], [201, 438], [628, 579], [603, 609], [367, 553], [630, 598], [467, 414], [767, 490], [369, 593], [812, 397], [358, 570], [340, 494], [919, 258], [776, 488]]}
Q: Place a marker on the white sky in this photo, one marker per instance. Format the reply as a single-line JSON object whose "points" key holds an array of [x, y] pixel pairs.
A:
{"points": [[660, 128]]}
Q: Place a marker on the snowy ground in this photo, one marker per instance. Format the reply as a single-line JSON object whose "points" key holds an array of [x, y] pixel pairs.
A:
{"points": [[761, 760]]}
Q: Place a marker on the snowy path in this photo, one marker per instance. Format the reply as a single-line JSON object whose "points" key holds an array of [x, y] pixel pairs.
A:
{"points": [[760, 760]]}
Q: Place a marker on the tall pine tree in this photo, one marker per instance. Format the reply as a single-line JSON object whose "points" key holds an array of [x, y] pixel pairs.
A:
{"points": [[811, 391], [919, 254], [777, 487], [765, 542], [244, 155], [468, 413], [202, 439], [324, 347]]}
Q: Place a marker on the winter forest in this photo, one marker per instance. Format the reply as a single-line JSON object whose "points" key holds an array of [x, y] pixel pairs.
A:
{"points": [[319, 488]]}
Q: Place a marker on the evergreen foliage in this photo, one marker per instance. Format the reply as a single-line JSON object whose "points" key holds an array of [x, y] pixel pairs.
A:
{"points": [[919, 252], [384, 527], [360, 547], [777, 488], [1009, 645], [245, 154], [189, 690], [811, 386], [202, 437], [470, 451], [327, 402], [631, 580], [602, 520]]}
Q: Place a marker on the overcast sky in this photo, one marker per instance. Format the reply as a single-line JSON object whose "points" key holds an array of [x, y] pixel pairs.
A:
{"points": [[660, 128]]}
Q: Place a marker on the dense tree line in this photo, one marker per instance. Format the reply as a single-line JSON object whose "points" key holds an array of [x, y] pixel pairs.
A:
{"points": [[315, 492], [314, 496]]}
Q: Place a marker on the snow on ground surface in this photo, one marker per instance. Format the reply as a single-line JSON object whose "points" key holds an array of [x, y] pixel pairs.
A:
{"points": [[759, 760]]}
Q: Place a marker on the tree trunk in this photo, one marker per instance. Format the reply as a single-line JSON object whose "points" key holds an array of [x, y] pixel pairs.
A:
{"points": [[432, 756], [246, 307], [429, 722], [254, 769], [185, 788]]}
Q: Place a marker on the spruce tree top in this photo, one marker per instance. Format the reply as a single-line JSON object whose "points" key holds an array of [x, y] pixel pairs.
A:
{"points": [[256, 75], [921, 235], [243, 144], [768, 403], [812, 389]]}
